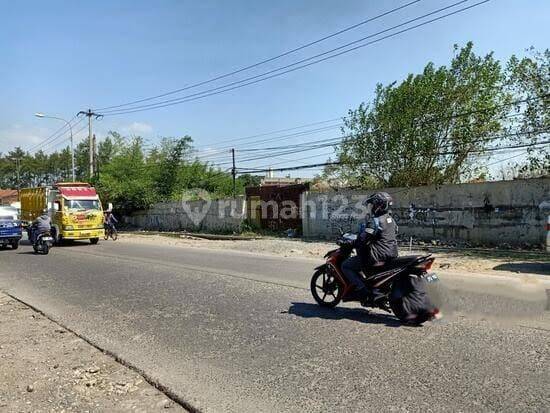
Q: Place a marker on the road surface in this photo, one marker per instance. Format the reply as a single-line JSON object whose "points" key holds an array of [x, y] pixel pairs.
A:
{"points": [[231, 331]]}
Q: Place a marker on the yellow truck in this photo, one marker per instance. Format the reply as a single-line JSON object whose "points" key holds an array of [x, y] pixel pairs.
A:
{"points": [[74, 207]]}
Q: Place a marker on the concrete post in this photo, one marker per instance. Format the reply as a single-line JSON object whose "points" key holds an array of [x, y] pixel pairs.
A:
{"points": [[304, 212]]}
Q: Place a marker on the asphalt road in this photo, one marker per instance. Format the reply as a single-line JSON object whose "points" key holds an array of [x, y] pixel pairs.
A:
{"points": [[229, 331]]}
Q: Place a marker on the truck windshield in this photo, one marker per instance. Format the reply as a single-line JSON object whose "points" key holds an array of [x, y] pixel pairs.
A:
{"points": [[81, 204]]}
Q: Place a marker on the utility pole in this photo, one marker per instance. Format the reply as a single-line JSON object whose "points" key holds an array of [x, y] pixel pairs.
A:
{"points": [[94, 152], [91, 144], [18, 171], [89, 113], [234, 173]]}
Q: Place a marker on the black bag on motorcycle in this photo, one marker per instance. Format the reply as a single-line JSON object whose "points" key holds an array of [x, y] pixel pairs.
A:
{"points": [[410, 292]]}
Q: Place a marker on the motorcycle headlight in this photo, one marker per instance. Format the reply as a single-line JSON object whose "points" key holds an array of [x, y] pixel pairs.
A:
{"points": [[68, 227], [15, 224]]}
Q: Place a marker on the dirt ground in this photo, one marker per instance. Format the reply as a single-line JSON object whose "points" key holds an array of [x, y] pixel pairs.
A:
{"points": [[45, 368], [476, 260]]}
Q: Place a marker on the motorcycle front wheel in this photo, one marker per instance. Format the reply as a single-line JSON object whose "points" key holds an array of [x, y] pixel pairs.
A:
{"points": [[325, 288]]}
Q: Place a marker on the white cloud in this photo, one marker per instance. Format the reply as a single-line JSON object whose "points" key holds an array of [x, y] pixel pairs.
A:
{"points": [[18, 135], [137, 128]]}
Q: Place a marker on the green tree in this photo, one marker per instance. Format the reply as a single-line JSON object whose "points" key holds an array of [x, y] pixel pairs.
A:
{"points": [[427, 129], [166, 161], [529, 80], [126, 180], [246, 180]]}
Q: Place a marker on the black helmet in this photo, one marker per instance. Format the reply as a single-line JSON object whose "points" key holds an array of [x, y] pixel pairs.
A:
{"points": [[381, 203]]}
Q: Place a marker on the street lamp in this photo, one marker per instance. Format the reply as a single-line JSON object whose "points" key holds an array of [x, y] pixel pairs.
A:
{"points": [[41, 115]]}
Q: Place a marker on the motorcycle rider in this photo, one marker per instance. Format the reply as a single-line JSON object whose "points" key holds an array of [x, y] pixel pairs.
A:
{"points": [[375, 244], [41, 225]]}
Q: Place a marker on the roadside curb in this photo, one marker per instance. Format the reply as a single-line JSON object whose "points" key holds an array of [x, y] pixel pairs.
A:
{"points": [[191, 235], [169, 393]]}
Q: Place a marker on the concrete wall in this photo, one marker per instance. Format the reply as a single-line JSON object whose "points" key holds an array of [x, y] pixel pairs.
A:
{"points": [[490, 213], [225, 215]]}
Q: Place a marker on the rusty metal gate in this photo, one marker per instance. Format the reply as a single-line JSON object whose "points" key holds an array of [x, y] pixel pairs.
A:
{"points": [[276, 207]]}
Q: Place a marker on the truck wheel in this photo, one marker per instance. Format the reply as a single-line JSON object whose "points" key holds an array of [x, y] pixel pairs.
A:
{"points": [[94, 241], [15, 245]]}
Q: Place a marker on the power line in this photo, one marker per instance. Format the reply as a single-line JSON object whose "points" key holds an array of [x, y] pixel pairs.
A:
{"points": [[507, 159], [319, 146], [340, 163], [290, 160], [226, 88], [67, 139], [312, 144], [266, 60], [54, 136], [215, 150], [60, 136], [295, 148], [282, 137], [279, 131]]}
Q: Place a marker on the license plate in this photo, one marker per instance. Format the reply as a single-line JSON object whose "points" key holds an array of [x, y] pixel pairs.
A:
{"points": [[47, 238], [431, 277], [85, 234]]}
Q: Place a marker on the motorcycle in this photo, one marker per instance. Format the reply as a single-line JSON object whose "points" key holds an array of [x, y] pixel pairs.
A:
{"points": [[402, 282], [42, 242]]}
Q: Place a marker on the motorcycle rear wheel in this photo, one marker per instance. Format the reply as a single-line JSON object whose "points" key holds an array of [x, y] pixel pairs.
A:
{"points": [[326, 289]]}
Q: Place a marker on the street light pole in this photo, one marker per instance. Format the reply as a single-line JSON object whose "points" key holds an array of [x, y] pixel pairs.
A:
{"points": [[41, 115]]}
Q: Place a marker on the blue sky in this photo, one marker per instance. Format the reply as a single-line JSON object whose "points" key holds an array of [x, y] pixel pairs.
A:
{"points": [[59, 57]]}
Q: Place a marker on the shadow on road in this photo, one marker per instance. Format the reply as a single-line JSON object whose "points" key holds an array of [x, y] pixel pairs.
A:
{"points": [[73, 243], [64, 243], [308, 310], [542, 268]]}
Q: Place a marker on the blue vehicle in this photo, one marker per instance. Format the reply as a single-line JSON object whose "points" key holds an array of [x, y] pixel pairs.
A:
{"points": [[10, 227]]}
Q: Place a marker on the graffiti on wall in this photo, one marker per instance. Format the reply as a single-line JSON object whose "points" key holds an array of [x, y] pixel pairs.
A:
{"points": [[418, 216], [344, 214]]}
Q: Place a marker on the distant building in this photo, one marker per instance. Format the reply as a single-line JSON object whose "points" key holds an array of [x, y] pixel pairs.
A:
{"points": [[8, 196], [267, 181]]}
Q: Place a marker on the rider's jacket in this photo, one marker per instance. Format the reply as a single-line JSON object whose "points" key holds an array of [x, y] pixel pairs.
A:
{"points": [[42, 224], [378, 240]]}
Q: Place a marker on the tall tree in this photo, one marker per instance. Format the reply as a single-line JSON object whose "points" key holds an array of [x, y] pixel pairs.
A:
{"points": [[169, 159], [529, 80], [428, 128], [126, 181]]}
